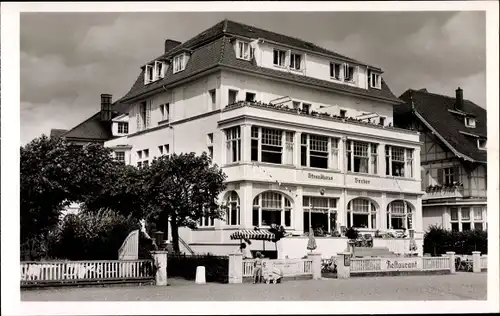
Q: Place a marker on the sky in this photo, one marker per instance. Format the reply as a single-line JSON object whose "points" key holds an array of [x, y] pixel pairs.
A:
{"points": [[68, 59]]}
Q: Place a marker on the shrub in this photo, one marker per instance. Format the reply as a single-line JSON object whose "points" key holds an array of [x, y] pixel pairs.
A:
{"points": [[216, 267], [438, 241]]}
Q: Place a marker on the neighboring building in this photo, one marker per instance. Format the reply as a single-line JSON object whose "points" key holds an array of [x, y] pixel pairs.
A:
{"points": [[300, 131], [453, 157]]}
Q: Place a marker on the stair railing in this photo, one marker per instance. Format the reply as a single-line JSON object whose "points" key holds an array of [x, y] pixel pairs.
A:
{"points": [[185, 244]]}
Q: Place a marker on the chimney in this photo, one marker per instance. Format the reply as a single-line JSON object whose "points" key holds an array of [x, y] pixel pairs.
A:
{"points": [[106, 107], [170, 44], [459, 99]]}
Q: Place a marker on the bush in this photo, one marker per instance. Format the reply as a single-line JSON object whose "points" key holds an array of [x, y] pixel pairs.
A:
{"points": [[438, 241], [184, 266]]}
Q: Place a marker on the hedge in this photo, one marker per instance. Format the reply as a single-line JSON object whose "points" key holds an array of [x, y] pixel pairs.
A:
{"points": [[438, 241], [216, 267]]}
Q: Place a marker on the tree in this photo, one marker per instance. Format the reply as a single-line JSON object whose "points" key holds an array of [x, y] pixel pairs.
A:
{"points": [[182, 189], [53, 173]]}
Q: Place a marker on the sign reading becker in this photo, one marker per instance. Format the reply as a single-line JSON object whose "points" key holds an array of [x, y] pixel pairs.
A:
{"points": [[361, 181], [401, 264], [288, 267]]}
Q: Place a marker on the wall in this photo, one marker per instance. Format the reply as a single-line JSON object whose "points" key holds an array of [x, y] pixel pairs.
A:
{"points": [[433, 215], [267, 90]]}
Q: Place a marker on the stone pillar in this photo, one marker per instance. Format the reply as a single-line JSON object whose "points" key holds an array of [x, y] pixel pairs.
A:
{"points": [[451, 256], [343, 265], [316, 265], [476, 261], [160, 262], [235, 268]]}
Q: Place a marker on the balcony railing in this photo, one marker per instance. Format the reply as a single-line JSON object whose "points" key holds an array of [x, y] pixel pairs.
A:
{"points": [[320, 115]]}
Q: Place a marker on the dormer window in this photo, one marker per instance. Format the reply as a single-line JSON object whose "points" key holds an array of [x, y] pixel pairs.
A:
{"points": [[148, 74], [295, 61], [374, 80], [279, 57], [179, 63], [122, 128], [243, 50], [481, 144], [160, 69], [470, 122], [335, 71], [348, 73]]}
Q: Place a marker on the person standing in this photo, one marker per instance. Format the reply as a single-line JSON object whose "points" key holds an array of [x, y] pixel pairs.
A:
{"points": [[257, 268]]}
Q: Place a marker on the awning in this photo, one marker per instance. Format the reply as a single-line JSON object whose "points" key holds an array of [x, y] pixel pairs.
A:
{"points": [[260, 234]]}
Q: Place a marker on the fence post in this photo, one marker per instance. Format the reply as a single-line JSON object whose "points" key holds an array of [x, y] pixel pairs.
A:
{"points": [[451, 256], [316, 265], [476, 261], [160, 261], [343, 265], [235, 273]]}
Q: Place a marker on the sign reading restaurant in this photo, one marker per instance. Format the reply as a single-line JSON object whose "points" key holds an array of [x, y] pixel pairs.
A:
{"points": [[397, 265]]}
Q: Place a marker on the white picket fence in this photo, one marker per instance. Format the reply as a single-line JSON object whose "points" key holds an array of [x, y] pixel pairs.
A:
{"points": [[289, 267], [484, 262], [363, 265], [85, 271]]}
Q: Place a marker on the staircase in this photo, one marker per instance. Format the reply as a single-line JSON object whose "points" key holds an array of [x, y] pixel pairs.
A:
{"points": [[383, 252]]}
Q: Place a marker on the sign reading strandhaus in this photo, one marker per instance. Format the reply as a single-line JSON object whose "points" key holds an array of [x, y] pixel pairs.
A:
{"points": [[401, 264], [319, 177]]}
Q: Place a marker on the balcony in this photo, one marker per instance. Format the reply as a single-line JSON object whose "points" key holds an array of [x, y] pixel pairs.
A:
{"points": [[434, 192]]}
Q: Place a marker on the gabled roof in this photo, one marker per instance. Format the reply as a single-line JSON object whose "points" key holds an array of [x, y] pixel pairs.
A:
{"points": [[433, 111], [92, 129], [56, 132], [219, 53]]}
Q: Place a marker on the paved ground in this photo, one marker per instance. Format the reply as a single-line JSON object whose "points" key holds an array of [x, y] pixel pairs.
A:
{"points": [[462, 286]]}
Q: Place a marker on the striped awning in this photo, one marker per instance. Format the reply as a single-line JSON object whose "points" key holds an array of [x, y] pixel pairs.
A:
{"points": [[260, 234]]}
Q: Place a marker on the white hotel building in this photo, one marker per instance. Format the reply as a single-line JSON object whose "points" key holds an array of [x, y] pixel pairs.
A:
{"points": [[302, 133]]}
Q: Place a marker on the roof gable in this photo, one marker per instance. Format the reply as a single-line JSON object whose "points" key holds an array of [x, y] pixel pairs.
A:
{"points": [[433, 109]]}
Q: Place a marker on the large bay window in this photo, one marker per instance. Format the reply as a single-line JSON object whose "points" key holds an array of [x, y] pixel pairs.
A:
{"points": [[322, 213], [361, 213], [271, 208], [233, 209], [233, 144], [319, 151], [467, 218], [271, 145], [399, 215], [361, 157], [399, 161]]}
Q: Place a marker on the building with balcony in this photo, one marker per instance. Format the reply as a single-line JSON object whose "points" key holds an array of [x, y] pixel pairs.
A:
{"points": [[453, 157], [305, 136]]}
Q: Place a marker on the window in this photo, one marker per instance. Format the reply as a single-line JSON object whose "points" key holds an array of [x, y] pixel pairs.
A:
{"points": [[210, 142], [212, 99], [399, 161], [343, 113], [233, 209], [211, 151], [348, 73], [271, 208], [361, 157], [375, 80], [143, 115], [142, 158], [481, 144], [295, 60], [164, 149], [122, 128], [232, 96], [160, 69], [381, 121], [323, 213], [271, 145], [306, 107], [243, 50], [467, 218], [250, 97], [296, 105], [179, 63], [148, 74], [319, 151], [233, 144], [399, 215], [206, 221], [448, 176], [165, 112], [210, 138], [254, 144], [361, 213], [335, 71], [470, 122], [120, 156], [279, 57]]}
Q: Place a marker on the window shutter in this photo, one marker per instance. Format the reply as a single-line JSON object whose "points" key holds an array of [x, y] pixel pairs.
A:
{"points": [[137, 116], [440, 176], [356, 74], [146, 75], [148, 114], [456, 173]]}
